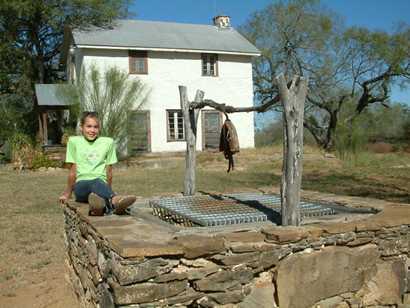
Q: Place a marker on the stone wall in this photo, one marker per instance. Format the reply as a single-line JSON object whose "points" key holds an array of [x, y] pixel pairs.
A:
{"points": [[126, 261]]}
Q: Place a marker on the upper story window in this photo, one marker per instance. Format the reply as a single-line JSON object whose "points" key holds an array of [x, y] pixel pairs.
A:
{"points": [[138, 62], [209, 64]]}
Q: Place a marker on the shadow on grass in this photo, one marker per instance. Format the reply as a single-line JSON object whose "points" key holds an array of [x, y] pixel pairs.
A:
{"points": [[355, 186]]}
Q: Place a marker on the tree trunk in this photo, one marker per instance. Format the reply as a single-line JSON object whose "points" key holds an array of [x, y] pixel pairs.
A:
{"points": [[190, 126], [293, 100]]}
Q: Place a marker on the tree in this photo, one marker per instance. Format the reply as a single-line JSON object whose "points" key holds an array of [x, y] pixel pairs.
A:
{"points": [[111, 94], [353, 65], [31, 38]]}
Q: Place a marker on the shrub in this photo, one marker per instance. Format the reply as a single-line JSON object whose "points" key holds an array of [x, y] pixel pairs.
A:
{"points": [[25, 155], [350, 140], [22, 151], [41, 160]]}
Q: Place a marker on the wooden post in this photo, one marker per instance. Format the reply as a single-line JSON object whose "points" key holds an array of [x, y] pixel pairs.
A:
{"points": [[293, 100], [190, 126], [45, 128], [40, 129]]}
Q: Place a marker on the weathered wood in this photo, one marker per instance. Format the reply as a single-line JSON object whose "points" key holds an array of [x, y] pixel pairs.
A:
{"points": [[190, 126], [40, 129], [45, 127], [293, 100], [230, 109]]}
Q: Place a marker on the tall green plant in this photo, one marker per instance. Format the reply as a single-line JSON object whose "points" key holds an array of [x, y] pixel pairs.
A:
{"points": [[351, 140], [111, 94]]}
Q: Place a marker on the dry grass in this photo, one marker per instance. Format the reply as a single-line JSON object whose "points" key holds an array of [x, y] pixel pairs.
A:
{"points": [[31, 221]]}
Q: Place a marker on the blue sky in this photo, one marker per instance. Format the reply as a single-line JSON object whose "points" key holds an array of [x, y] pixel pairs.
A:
{"points": [[374, 14]]}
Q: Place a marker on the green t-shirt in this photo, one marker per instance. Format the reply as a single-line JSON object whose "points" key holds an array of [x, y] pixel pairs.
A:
{"points": [[91, 158]]}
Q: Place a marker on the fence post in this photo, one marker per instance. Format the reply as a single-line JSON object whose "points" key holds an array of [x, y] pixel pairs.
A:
{"points": [[190, 126], [293, 100]]}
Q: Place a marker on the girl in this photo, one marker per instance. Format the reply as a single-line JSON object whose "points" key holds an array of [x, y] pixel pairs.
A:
{"points": [[90, 177]]}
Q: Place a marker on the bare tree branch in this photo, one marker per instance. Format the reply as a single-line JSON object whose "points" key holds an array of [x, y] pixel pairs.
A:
{"points": [[230, 109]]}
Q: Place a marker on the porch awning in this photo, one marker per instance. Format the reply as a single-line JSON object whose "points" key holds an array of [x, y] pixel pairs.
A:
{"points": [[50, 95]]}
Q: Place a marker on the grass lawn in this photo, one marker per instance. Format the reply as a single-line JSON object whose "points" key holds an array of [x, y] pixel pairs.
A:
{"points": [[31, 221]]}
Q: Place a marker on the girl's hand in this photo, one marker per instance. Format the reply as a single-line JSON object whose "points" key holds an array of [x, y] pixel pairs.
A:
{"points": [[64, 198]]}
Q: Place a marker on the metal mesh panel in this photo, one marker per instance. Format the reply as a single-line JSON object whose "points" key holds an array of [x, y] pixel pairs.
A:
{"points": [[217, 210]]}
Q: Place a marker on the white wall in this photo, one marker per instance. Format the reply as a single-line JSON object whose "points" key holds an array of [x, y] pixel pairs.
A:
{"points": [[167, 70]]}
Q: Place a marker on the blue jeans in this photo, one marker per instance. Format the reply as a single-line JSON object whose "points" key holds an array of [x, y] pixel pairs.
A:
{"points": [[83, 188]]}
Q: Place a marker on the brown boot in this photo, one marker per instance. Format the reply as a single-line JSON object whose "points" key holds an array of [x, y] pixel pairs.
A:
{"points": [[96, 205], [121, 203]]}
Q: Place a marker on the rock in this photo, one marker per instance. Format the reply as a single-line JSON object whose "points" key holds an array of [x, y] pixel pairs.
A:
{"points": [[332, 302], [228, 297], [332, 271], [127, 274], [262, 293], [170, 277], [105, 299], [236, 258], [342, 305], [407, 270], [406, 299], [95, 273], [201, 262], [244, 237], [354, 302], [389, 247], [385, 286], [359, 242], [223, 280], [196, 274], [269, 259], [146, 292], [104, 265], [239, 247], [284, 234], [184, 298], [197, 246], [91, 248]]}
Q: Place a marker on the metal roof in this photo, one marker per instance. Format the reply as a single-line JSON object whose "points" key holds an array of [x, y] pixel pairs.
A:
{"points": [[166, 35], [49, 95]]}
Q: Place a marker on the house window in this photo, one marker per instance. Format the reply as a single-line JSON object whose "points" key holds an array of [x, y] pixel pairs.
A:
{"points": [[175, 125], [138, 62], [209, 64]]}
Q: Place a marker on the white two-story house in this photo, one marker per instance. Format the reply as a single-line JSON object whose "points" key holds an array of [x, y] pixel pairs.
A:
{"points": [[213, 58]]}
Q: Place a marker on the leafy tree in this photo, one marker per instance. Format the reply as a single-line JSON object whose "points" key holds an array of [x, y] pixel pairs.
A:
{"points": [[345, 66], [109, 93], [31, 39]]}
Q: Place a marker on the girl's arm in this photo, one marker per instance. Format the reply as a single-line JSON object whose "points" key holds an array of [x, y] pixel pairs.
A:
{"points": [[109, 175], [70, 184]]}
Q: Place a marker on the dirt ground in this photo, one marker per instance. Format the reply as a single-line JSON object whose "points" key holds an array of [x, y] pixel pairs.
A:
{"points": [[32, 270], [45, 288]]}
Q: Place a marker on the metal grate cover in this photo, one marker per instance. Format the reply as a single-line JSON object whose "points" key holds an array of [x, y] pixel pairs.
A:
{"points": [[218, 210]]}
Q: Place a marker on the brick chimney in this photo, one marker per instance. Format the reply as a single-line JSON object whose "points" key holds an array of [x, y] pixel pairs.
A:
{"points": [[222, 21]]}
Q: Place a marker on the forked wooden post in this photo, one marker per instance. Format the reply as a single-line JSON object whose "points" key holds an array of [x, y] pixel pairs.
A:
{"points": [[190, 126], [293, 100]]}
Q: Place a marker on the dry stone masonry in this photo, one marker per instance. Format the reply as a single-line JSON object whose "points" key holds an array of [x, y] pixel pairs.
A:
{"points": [[139, 261]]}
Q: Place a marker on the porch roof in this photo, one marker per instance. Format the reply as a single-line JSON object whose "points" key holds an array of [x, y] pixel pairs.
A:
{"points": [[50, 95]]}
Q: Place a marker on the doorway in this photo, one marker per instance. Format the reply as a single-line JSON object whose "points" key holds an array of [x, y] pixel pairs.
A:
{"points": [[211, 129], [139, 133]]}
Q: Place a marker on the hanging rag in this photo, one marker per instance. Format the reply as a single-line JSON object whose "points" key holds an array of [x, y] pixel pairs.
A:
{"points": [[228, 142]]}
